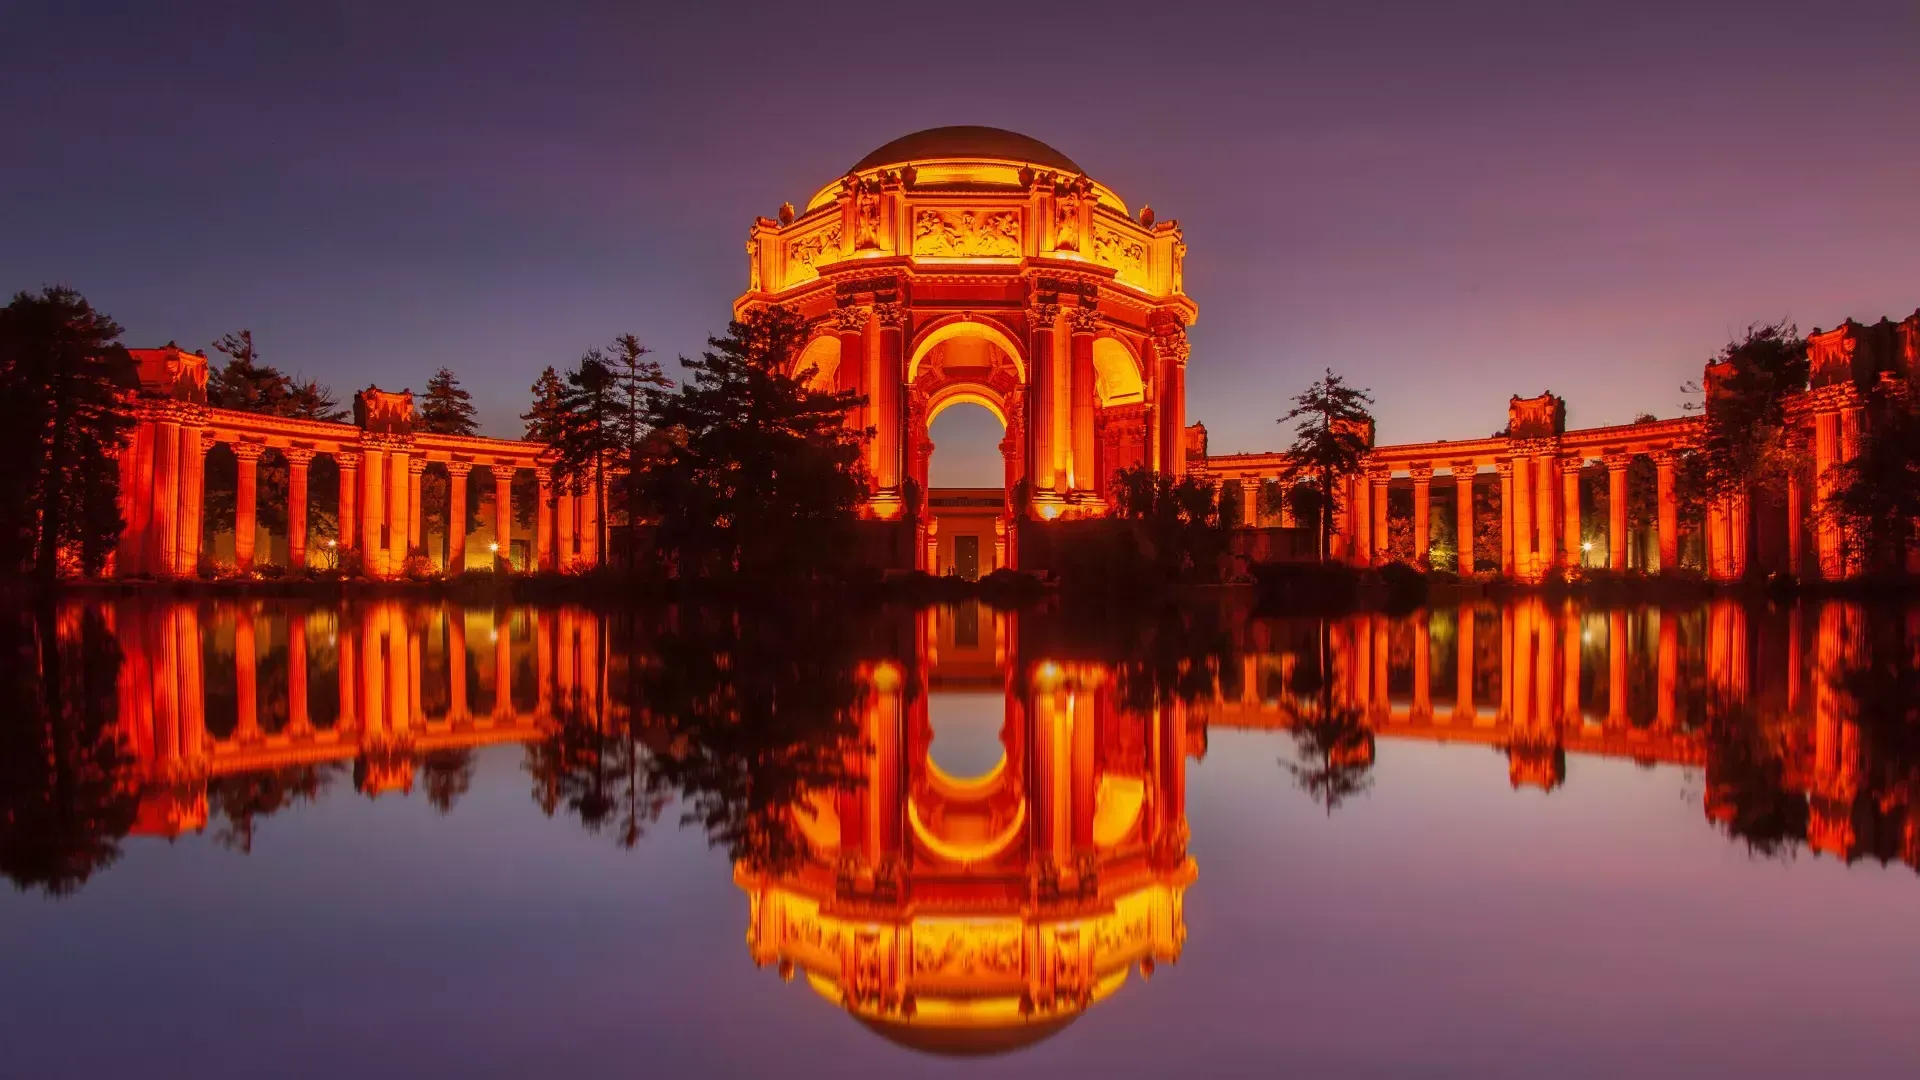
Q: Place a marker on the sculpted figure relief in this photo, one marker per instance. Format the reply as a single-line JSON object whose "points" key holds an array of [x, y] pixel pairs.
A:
{"points": [[1542, 417], [1066, 217], [866, 212], [994, 234], [1119, 252]]}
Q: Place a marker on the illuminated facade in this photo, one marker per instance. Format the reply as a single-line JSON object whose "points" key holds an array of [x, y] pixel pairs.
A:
{"points": [[382, 461], [970, 264], [1538, 464]]}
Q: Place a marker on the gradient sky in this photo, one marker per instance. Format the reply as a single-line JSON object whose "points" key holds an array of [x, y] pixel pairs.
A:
{"points": [[1447, 203]]}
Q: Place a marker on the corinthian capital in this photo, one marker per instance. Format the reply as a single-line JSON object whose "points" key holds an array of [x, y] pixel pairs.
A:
{"points": [[853, 317], [890, 314], [1042, 314], [1084, 320]]}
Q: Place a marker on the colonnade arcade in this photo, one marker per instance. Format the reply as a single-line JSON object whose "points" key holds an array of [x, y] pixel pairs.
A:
{"points": [[381, 463]]}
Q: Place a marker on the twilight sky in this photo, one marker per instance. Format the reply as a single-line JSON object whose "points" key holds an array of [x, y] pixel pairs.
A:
{"points": [[1449, 203]]}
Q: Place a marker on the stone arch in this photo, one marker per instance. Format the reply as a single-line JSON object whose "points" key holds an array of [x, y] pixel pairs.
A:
{"points": [[1116, 372], [966, 393], [822, 353], [953, 326]]}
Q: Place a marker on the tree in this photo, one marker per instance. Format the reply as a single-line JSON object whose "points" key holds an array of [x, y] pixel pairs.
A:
{"points": [[1328, 443], [446, 408], [547, 415], [633, 377], [245, 384], [1746, 441], [583, 432], [1876, 495], [1178, 520], [755, 474], [63, 397]]}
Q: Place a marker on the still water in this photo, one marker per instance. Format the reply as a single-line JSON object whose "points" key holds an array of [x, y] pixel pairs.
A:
{"points": [[391, 839]]}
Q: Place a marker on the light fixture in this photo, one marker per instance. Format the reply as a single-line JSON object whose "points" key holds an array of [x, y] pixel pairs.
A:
{"points": [[494, 547], [1586, 545]]}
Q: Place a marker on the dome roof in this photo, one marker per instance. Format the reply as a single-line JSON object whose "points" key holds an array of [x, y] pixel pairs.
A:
{"points": [[967, 142], [967, 1040]]}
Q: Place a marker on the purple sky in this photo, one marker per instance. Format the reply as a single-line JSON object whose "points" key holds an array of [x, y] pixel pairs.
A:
{"points": [[1447, 205]]}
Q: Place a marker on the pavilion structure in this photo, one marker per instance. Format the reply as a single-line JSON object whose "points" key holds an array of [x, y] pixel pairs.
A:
{"points": [[381, 459], [971, 264], [1538, 464], [968, 914]]}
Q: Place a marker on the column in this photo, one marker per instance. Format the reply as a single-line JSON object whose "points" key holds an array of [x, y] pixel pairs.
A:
{"points": [[1422, 485], [1463, 473], [503, 663], [564, 513], [1617, 510], [1570, 503], [1362, 519], [1463, 707], [1669, 520], [1617, 668], [192, 496], [1826, 448], [136, 501], [543, 520], [1546, 522], [1085, 322], [1422, 667], [1250, 498], [457, 515], [349, 463], [1796, 525], [1570, 659], [1508, 524], [246, 522], [298, 461], [850, 324], [503, 512], [373, 514], [1043, 321], [1177, 402], [1378, 478], [457, 664], [416, 527], [889, 376], [1523, 484], [399, 509], [589, 506], [165, 544], [1668, 669], [246, 658], [298, 722]]}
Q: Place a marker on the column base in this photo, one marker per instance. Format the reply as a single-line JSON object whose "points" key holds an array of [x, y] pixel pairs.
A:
{"points": [[1084, 504], [1048, 505], [886, 504]]}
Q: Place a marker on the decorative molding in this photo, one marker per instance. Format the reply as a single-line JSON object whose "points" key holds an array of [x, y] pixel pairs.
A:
{"points": [[890, 314], [458, 467], [298, 457], [247, 451], [1464, 470], [852, 318], [966, 233], [1421, 470], [1084, 320]]}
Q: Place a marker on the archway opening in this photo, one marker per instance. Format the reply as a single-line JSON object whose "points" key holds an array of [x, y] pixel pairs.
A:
{"points": [[966, 732], [966, 487]]}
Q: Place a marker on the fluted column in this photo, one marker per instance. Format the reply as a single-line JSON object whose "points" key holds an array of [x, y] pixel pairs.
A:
{"points": [[1669, 517], [1570, 467], [1250, 499], [1570, 658], [349, 517], [1668, 669], [1378, 477], [246, 522], [1826, 454], [1617, 668], [457, 664], [192, 494], [165, 542], [889, 378], [457, 515], [590, 511], [1546, 523], [1617, 510], [503, 664], [1422, 513], [1508, 523], [1084, 323], [1463, 707], [246, 659], [542, 520], [373, 514], [416, 527], [1463, 473], [1796, 525], [1043, 320], [1422, 666], [1362, 519], [564, 513], [1523, 506], [503, 512], [399, 508], [298, 461], [298, 722]]}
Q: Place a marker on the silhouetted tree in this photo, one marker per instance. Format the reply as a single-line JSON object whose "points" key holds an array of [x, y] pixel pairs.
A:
{"points": [[755, 473], [63, 420], [446, 408], [240, 800], [1745, 439], [586, 437], [245, 384], [1328, 443], [1332, 743], [1179, 521], [1876, 495], [447, 775]]}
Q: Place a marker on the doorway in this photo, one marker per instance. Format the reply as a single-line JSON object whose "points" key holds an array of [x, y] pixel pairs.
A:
{"points": [[966, 557]]}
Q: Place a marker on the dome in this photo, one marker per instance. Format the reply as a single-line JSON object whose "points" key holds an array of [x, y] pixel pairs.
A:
{"points": [[967, 1040], [967, 142]]}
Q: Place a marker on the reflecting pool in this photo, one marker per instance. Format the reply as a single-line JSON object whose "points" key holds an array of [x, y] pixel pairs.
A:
{"points": [[401, 839]]}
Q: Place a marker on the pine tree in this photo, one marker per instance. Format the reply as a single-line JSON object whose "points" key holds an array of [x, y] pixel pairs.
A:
{"points": [[1328, 443], [446, 408], [63, 384], [589, 434], [755, 473], [245, 384], [546, 417]]}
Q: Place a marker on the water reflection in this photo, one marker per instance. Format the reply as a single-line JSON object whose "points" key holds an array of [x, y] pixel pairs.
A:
{"points": [[965, 827]]}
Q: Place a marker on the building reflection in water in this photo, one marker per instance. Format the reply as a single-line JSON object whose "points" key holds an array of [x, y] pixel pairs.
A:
{"points": [[986, 811]]}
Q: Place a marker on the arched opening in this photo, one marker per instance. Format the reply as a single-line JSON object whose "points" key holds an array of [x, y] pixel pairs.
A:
{"points": [[822, 357], [966, 729], [967, 478]]}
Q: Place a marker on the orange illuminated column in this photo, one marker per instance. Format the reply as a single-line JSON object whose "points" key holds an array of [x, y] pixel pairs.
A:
{"points": [[543, 635], [503, 663], [1522, 518], [589, 531], [850, 324], [1570, 504], [1796, 509], [1545, 660], [416, 469], [1545, 521], [1422, 667], [1849, 451], [246, 522], [1507, 521], [399, 509], [1463, 473], [1363, 541], [1796, 656], [246, 658], [1422, 482], [373, 514], [1826, 450], [503, 511], [1727, 649], [193, 488], [1382, 659], [1084, 322], [889, 376], [345, 646], [1463, 707], [1250, 499], [136, 500], [298, 460], [457, 515], [1570, 642], [1669, 518], [457, 664], [1043, 319], [1617, 510], [165, 543], [1668, 670], [542, 520], [298, 722], [416, 713], [1617, 668], [1517, 678], [1340, 529], [1377, 478], [565, 511], [349, 463], [1360, 672]]}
